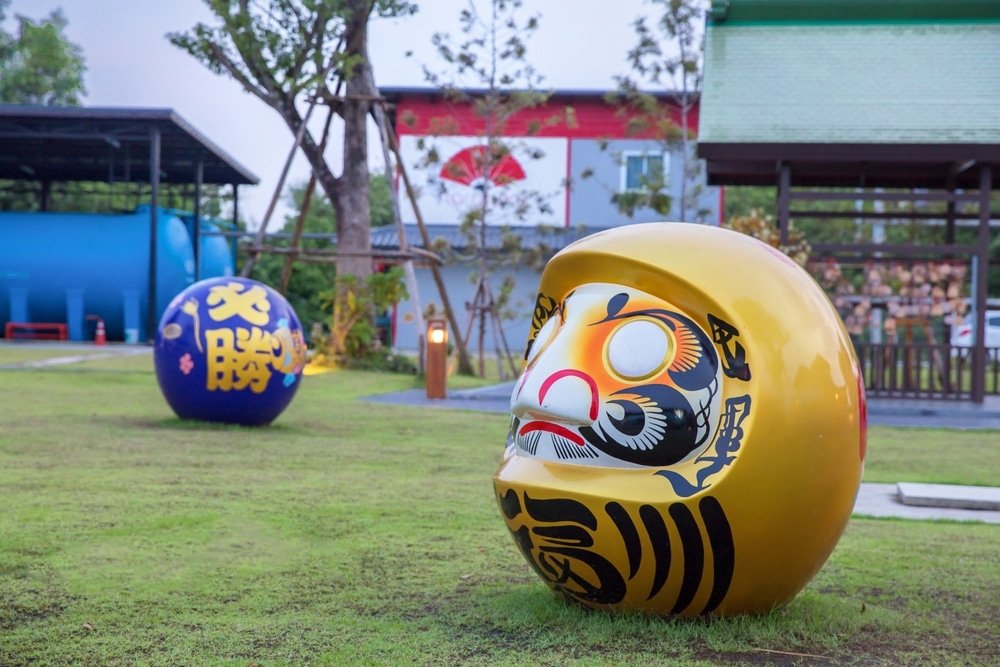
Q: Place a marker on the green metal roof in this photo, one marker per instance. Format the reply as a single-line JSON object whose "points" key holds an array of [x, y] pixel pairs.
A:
{"points": [[758, 11], [883, 83]]}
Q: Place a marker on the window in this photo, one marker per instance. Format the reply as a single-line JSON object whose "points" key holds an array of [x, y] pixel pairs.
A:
{"points": [[642, 168]]}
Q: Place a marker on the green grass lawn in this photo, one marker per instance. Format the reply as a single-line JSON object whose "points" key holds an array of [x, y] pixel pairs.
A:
{"points": [[355, 533]]}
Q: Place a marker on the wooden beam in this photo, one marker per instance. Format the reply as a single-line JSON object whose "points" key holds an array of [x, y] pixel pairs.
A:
{"points": [[815, 195], [877, 215], [870, 249]]}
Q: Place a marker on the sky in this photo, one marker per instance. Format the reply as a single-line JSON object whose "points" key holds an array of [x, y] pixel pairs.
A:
{"points": [[580, 44]]}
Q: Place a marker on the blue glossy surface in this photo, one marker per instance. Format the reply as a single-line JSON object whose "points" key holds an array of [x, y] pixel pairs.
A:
{"points": [[63, 267], [229, 350]]}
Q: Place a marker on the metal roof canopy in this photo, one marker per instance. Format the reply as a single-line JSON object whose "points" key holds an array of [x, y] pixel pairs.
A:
{"points": [[852, 165], [115, 145], [108, 144], [394, 94], [852, 93], [901, 94], [557, 238]]}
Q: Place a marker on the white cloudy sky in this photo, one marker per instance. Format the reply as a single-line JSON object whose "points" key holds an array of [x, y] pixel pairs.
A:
{"points": [[580, 44]]}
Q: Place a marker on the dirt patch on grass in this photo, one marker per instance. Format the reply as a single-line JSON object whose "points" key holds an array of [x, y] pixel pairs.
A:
{"points": [[769, 657], [35, 596]]}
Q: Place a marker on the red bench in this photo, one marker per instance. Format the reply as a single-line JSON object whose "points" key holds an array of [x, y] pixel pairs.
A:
{"points": [[35, 330]]}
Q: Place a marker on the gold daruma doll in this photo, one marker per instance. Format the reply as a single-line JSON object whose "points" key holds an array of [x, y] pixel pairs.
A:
{"points": [[688, 433]]}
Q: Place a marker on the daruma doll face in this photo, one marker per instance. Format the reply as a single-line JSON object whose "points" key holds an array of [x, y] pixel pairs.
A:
{"points": [[684, 439]]}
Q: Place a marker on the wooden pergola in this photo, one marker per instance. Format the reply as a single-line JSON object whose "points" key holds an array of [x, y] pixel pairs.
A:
{"points": [[837, 100]]}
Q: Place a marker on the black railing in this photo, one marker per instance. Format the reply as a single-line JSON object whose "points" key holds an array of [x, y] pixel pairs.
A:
{"points": [[922, 370]]}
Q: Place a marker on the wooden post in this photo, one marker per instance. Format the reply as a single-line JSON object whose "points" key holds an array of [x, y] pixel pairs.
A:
{"points": [[464, 365], [981, 278], [410, 274], [784, 196], [252, 256], [286, 267]]}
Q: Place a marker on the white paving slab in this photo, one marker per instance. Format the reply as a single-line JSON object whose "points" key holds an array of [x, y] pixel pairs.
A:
{"points": [[882, 500], [948, 495]]}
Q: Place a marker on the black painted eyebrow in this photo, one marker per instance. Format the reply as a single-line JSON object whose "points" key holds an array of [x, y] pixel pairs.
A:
{"points": [[562, 305], [660, 314]]}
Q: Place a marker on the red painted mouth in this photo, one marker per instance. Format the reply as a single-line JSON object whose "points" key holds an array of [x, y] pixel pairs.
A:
{"points": [[549, 427]]}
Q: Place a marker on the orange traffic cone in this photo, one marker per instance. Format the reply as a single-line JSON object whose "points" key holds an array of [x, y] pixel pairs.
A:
{"points": [[99, 336]]}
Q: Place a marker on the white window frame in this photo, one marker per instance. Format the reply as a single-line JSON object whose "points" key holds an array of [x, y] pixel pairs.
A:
{"points": [[623, 169]]}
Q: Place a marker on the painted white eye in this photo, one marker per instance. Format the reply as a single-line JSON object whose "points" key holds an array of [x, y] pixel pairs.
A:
{"points": [[544, 335], [638, 349]]}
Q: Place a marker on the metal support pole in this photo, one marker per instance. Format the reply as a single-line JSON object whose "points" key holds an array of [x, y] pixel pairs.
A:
{"points": [[234, 245], [982, 279], [784, 196], [950, 211], [154, 193], [199, 175]]}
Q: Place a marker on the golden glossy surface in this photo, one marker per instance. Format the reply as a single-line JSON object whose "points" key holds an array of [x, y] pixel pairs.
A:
{"points": [[688, 433]]}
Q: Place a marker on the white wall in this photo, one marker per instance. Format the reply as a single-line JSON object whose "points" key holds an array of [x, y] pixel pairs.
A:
{"points": [[441, 200]]}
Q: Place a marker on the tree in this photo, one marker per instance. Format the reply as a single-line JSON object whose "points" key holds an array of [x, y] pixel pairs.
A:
{"points": [[303, 292], [287, 51], [39, 63], [492, 54], [670, 53]]}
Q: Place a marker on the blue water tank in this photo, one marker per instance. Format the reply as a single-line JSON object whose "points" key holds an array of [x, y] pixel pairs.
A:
{"points": [[216, 257], [63, 267]]}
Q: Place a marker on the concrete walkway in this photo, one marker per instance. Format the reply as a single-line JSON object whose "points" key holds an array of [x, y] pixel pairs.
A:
{"points": [[76, 358], [71, 353], [887, 500], [935, 414], [905, 501]]}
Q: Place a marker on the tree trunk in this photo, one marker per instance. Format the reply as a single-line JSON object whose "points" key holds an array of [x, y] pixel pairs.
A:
{"points": [[353, 214], [354, 245]]}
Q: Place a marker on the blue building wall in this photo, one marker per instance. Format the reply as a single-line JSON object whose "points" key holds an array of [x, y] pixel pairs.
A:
{"points": [[595, 173], [461, 290]]}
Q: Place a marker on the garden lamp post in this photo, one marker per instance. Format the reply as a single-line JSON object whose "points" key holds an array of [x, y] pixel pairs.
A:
{"points": [[437, 356]]}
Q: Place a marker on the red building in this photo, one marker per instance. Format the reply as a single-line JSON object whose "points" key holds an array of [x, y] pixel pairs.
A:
{"points": [[579, 138]]}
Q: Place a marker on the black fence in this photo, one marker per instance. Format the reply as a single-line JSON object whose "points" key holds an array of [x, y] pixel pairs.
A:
{"points": [[923, 370]]}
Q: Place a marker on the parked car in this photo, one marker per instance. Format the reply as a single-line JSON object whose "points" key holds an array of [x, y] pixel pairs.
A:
{"points": [[961, 335]]}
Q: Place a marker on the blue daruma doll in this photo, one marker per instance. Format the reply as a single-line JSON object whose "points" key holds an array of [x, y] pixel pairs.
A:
{"points": [[229, 350]]}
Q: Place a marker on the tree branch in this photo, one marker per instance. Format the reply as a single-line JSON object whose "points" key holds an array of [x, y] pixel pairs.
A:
{"points": [[250, 48], [231, 68]]}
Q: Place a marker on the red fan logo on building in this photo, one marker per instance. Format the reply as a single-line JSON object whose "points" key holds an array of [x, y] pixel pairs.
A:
{"points": [[472, 166]]}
